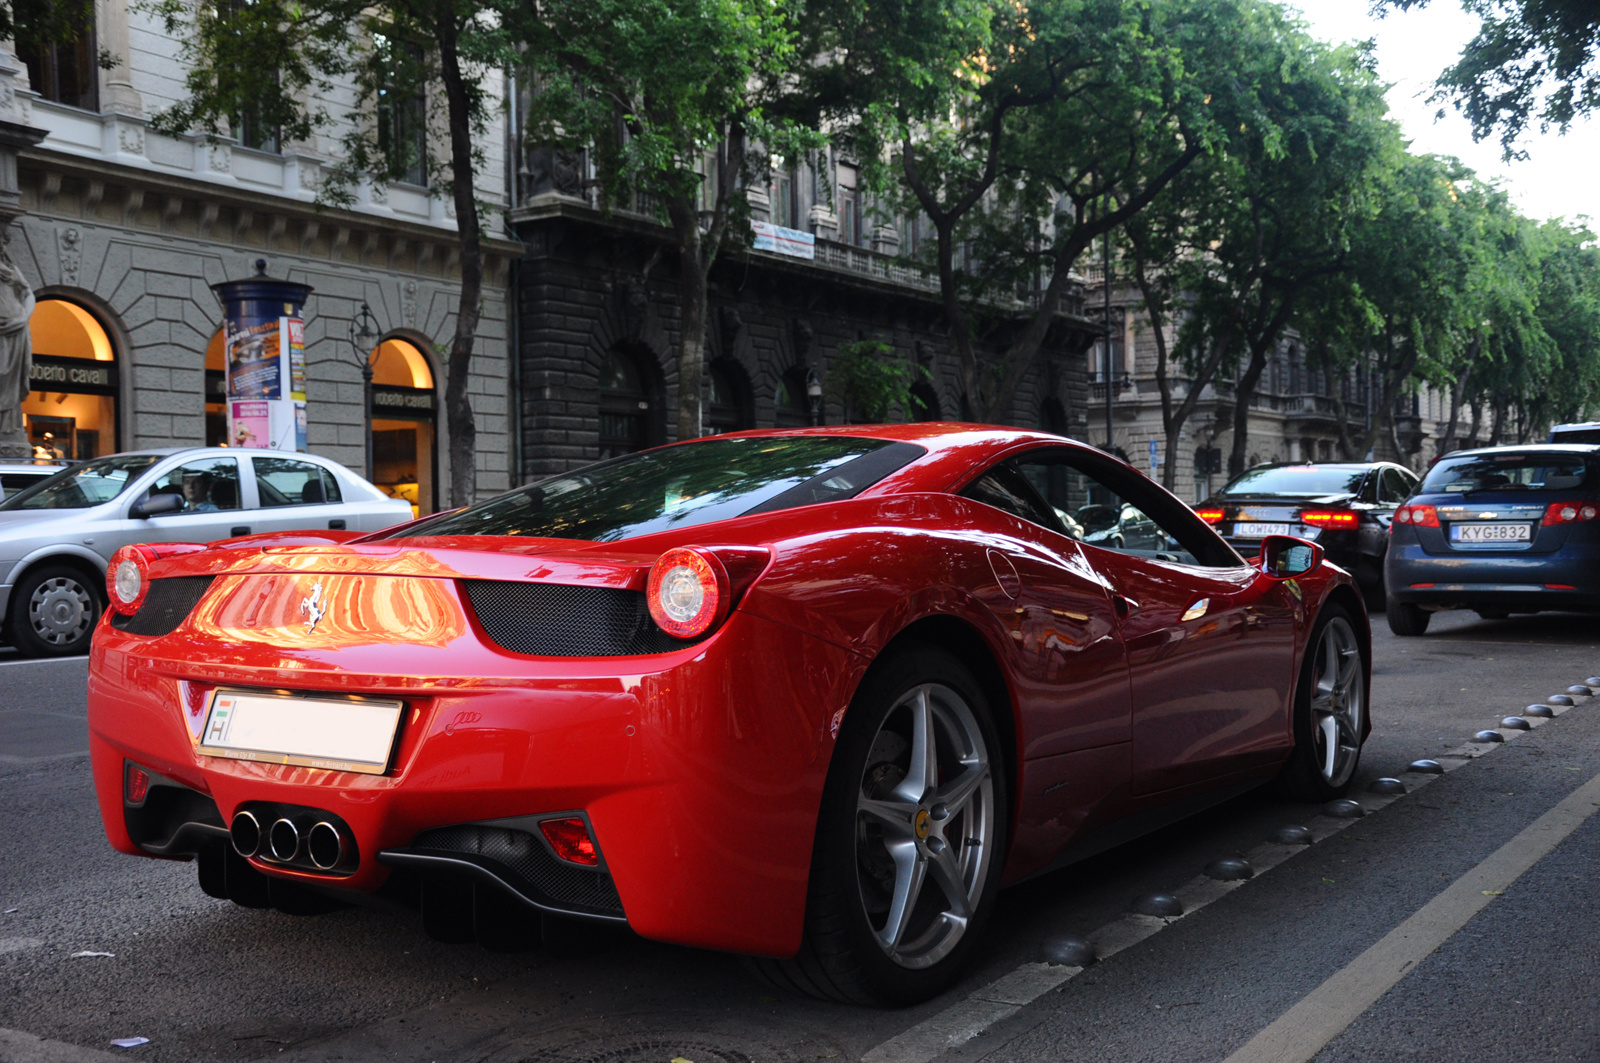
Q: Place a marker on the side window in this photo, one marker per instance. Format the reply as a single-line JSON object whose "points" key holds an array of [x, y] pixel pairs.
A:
{"points": [[1110, 508], [207, 485], [1396, 488], [330, 487], [287, 482], [1002, 488]]}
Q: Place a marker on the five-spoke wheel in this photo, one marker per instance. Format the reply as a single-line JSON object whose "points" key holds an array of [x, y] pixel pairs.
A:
{"points": [[1330, 711]]}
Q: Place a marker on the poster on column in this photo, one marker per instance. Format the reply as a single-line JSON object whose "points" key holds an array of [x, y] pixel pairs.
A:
{"points": [[266, 378]]}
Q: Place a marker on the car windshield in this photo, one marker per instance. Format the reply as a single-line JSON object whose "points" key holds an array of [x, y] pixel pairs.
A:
{"points": [[681, 486], [1515, 471], [1298, 481], [84, 485]]}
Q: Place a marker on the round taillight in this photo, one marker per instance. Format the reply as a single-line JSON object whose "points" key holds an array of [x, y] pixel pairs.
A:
{"points": [[1588, 513], [1569, 513], [1403, 515], [687, 592], [127, 580]]}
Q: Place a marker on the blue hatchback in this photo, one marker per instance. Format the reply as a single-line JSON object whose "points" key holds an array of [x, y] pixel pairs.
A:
{"points": [[1500, 530]]}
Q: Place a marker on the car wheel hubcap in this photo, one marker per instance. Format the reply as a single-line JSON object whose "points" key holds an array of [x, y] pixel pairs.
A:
{"points": [[924, 825], [1338, 706], [60, 611]]}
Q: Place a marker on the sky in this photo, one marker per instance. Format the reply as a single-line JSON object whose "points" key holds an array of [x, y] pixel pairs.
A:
{"points": [[1561, 175]]}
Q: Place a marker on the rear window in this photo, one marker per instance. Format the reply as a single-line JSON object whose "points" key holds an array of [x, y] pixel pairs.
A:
{"points": [[1298, 481], [1507, 472], [680, 487]]}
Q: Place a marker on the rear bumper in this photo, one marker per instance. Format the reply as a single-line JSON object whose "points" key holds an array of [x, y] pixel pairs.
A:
{"points": [[1568, 580], [700, 775]]}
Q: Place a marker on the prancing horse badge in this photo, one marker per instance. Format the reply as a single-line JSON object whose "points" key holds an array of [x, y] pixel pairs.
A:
{"points": [[314, 607]]}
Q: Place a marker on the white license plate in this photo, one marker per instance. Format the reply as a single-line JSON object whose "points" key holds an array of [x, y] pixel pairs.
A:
{"points": [[1491, 533], [343, 734], [1249, 530]]}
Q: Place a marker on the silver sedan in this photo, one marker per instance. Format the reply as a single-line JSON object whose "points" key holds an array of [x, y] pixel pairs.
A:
{"points": [[57, 536]]}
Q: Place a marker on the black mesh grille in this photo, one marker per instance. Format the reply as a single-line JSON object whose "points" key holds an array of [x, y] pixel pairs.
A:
{"points": [[557, 620], [524, 860], [165, 605]]}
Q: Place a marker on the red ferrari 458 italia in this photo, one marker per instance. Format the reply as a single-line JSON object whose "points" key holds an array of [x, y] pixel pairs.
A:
{"points": [[812, 696]]}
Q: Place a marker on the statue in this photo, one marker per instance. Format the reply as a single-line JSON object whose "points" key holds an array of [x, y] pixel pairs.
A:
{"points": [[16, 358]]}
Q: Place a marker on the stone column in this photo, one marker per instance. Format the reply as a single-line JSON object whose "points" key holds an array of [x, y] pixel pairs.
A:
{"points": [[16, 298], [120, 97]]}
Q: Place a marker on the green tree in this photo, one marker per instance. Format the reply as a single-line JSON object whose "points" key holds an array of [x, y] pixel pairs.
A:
{"points": [[271, 64], [870, 382], [1531, 62], [682, 103]]}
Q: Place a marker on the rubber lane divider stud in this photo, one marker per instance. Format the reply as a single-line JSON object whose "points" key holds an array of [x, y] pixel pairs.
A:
{"points": [[1580, 690], [1344, 808], [1593, 681], [1560, 699], [1230, 869], [1068, 950], [1386, 786], [1488, 737], [1161, 905], [1293, 836], [1425, 767], [1543, 712], [1516, 723]]}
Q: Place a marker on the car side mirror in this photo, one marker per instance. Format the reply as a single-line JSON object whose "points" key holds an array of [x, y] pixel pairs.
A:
{"points": [[1285, 557], [156, 505]]}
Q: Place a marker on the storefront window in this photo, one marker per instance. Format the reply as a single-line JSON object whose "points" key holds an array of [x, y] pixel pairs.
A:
{"points": [[216, 394], [403, 414], [72, 409]]}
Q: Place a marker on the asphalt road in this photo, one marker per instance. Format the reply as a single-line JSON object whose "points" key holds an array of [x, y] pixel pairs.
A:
{"points": [[205, 980]]}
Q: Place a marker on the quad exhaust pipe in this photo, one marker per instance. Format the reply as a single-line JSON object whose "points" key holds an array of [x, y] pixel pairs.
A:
{"points": [[288, 841]]}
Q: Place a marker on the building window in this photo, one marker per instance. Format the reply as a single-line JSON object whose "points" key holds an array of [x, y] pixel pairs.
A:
{"points": [[626, 407], [403, 113], [71, 411], [404, 408], [727, 399], [252, 132], [64, 71]]}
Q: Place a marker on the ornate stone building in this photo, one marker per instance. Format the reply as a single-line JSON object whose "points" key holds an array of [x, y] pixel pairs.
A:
{"points": [[124, 230]]}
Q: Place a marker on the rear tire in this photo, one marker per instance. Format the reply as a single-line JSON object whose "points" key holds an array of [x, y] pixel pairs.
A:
{"points": [[54, 609], [1405, 619], [896, 909], [1330, 712]]}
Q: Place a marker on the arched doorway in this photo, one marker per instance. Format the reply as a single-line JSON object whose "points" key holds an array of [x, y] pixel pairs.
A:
{"points": [[72, 409], [924, 402], [727, 398], [630, 406], [1053, 416], [404, 411]]}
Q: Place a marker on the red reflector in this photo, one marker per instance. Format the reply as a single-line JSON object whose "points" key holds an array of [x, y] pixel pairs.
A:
{"points": [[1329, 518], [1210, 516], [1559, 587], [1421, 586], [136, 785], [571, 841]]}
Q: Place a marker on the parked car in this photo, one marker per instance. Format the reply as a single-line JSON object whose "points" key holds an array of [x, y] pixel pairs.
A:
{"points": [[1344, 507], [18, 476], [778, 693], [1500, 530], [57, 535], [1585, 432]]}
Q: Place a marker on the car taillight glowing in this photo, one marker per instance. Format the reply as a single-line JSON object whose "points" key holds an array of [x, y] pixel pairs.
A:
{"points": [[1329, 518], [1210, 516], [687, 592], [571, 840], [127, 580], [1421, 516], [1570, 512]]}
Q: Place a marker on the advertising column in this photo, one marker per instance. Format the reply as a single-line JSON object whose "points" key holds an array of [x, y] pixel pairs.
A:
{"points": [[264, 347]]}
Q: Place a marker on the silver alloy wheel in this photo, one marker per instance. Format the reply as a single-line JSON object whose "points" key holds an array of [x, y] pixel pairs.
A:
{"points": [[924, 811], [1338, 702], [60, 610]]}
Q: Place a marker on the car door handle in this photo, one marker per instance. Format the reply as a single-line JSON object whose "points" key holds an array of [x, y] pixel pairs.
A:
{"points": [[1125, 606], [242, 529], [337, 524]]}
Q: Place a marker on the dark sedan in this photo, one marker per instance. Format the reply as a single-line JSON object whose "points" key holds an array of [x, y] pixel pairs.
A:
{"points": [[1500, 530], [1345, 507]]}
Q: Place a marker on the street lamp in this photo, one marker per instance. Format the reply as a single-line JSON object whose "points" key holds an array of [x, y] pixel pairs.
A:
{"points": [[814, 396], [362, 333]]}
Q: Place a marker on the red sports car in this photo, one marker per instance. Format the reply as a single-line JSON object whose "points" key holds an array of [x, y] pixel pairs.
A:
{"points": [[812, 696]]}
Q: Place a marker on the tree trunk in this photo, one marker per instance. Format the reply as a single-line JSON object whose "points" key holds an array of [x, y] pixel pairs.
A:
{"points": [[1243, 392], [459, 418], [1477, 420], [691, 347], [1458, 391], [1336, 396]]}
